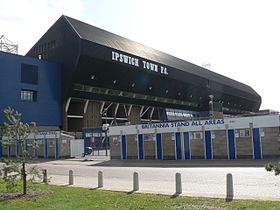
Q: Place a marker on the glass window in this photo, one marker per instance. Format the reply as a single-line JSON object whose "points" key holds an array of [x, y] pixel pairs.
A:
{"points": [[245, 133], [28, 95], [197, 135]]}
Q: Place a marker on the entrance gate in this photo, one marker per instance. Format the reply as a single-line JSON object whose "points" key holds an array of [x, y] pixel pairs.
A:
{"points": [[97, 140]]}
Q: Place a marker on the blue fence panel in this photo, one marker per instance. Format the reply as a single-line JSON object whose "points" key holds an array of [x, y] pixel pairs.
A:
{"points": [[187, 146], [208, 146], [178, 146], [257, 151], [140, 147], [231, 144], [159, 153], [124, 148]]}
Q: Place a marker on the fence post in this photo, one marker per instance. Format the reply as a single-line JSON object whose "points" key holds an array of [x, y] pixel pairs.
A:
{"points": [[71, 177], [229, 187], [178, 183], [45, 176], [135, 181], [100, 179]]}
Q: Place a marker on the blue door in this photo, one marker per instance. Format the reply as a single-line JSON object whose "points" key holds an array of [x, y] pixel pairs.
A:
{"points": [[140, 144], [208, 145], [124, 148], [231, 144], [1, 151], [187, 146], [257, 151], [159, 154], [178, 146]]}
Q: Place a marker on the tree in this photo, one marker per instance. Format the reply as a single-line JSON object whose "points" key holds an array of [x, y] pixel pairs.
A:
{"points": [[15, 131], [273, 167]]}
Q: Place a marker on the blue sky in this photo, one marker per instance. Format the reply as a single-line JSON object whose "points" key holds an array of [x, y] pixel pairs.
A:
{"points": [[239, 38]]}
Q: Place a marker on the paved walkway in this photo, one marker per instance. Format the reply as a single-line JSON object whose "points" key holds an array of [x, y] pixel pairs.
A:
{"points": [[199, 177]]}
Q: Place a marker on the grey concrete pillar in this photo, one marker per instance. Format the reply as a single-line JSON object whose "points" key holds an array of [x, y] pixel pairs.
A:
{"points": [[71, 177], [45, 176], [135, 181], [178, 183], [100, 179], [229, 187]]}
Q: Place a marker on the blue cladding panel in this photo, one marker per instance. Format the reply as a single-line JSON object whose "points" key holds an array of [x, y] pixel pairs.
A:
{"points": [[124, 152], [29, 73], [231, 144], [9, 151], [178, 145], [140, 147], [17, 149], [159, 146], [187, 146], [56, 149], [36, 150], [46, 148], [1, 148], [257, 143], [47, 110], [208, 146]]}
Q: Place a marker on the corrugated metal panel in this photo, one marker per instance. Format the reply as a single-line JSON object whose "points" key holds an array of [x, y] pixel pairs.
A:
{"points": [[102, 37]]}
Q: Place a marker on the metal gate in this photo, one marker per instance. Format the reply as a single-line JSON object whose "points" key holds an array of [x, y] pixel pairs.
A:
{"points": [[97, 140]]}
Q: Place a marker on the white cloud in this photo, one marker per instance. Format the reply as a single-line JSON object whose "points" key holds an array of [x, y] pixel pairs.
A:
{"points": [[24, 22]]}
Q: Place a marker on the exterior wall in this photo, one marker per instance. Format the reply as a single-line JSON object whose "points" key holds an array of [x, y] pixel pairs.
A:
{"points": [[197, 148], [115, 147], [244, 149], [63, 148], [134, 117], [131, 147], [92, 117], [168, 146], [220, 147], [271, 142], [46, 110], [149, 149]]}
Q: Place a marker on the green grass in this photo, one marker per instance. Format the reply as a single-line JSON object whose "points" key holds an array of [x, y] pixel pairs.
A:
{"points": [[64, 197]]}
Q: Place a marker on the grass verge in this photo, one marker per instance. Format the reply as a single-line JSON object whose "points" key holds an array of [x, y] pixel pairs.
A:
{"points": [[63, 197]]}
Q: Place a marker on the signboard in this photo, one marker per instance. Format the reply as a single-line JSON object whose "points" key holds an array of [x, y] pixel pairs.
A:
{"points": [[199, 125], [139, 62]]}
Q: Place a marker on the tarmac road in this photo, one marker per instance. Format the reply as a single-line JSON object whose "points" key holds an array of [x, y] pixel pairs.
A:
{"points": [[199, 177]]}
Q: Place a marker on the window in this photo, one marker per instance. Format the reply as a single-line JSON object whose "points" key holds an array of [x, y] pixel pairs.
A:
{"points": [[245, 133], [262, 132], [29, 74], [28, 95], [149, 137], [196, 135]]}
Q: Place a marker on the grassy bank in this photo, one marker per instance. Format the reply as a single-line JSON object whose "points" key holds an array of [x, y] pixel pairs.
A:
{"points": [[63, 197]]}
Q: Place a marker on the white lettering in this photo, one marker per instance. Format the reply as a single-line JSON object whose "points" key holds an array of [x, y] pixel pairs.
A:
{"points": [[125, 58], [122, 58], [144, 64], [136, 62]]}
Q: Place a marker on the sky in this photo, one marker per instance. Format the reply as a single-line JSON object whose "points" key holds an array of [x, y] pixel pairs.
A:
{"points": [[240, 39]]}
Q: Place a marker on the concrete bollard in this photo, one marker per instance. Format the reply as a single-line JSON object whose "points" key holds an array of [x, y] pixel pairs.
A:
{"points": [[71, 177], [178, 183], [135, 181], [100, 179], [45, 176], [229, 187]]}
